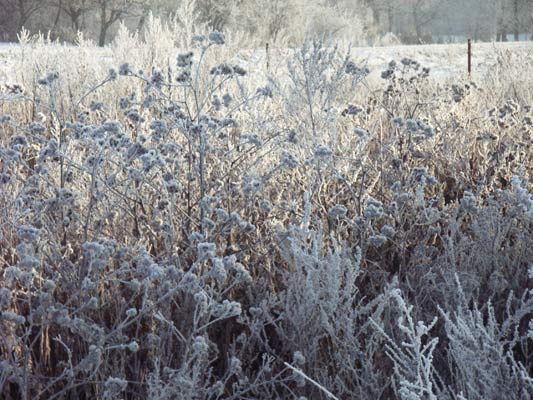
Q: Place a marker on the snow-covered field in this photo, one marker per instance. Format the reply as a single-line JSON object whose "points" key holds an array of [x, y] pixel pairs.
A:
{"points": [[6, 54], [444, 60]]}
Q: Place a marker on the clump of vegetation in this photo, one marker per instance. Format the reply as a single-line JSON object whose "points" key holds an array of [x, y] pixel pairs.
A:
{"points": [[181, 226]]}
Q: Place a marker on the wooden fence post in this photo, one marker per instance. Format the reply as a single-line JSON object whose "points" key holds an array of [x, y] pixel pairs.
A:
{"points": [[267, 57], [469, 57]]}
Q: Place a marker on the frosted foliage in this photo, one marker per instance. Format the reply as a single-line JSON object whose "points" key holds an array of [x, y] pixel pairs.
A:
{"points": [[181, 220]]}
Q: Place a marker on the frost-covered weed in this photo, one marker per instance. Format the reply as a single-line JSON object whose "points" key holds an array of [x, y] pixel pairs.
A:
{"points": [[178, 228], [412, 355]]}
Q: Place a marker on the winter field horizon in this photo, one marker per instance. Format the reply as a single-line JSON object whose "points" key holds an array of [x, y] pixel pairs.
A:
{"points": [[484, 56]]}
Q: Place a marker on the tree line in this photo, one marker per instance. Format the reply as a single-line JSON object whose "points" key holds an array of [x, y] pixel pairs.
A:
{"points": [[412, 21]]}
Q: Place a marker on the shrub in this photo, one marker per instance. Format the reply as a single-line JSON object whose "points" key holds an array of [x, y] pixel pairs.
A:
{"points": [[180, 226]]}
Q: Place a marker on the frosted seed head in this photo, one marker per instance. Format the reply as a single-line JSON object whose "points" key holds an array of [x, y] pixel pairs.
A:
{"points": [[216, 38], [298, 358]]}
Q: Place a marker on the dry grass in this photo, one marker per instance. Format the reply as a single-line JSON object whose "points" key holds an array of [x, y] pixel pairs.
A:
{"points": [[202, 239]]}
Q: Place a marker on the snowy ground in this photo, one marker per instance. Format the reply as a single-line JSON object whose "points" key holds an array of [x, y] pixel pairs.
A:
{"points": [[445, 61], [6, 55]]}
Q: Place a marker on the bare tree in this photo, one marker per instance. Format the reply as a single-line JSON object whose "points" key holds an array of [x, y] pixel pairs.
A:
{"points": [[16, 13], [74, 10], [111, 11], [216, 13], [390, 9], [407, 17], [379, 8], [422, 13], [522, 16], [529, 18], [265, 19]]}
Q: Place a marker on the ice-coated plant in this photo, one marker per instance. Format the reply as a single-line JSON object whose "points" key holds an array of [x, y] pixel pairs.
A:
{"points": [[480, 346], [373, 209], [413, 357], [188, 224]]}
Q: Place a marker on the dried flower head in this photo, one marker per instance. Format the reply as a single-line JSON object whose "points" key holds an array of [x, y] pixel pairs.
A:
{"points": [[216, 38], [337, 211], [322, 152]]}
